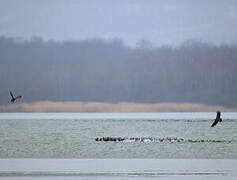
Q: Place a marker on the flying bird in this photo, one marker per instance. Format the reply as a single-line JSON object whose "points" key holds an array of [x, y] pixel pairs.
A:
{"points": [[14, 98], [218, 118]]}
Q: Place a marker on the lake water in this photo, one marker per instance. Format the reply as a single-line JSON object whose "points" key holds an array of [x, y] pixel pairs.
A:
{"points": [[159, 135], [118, 169], [63, 146]]}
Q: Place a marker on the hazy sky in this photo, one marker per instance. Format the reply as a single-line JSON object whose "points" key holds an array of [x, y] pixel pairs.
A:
{"points": [[159, 21]]}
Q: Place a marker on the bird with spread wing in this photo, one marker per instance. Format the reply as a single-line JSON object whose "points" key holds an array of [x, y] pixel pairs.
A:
{"points": [[218, 118], [13, 99]]}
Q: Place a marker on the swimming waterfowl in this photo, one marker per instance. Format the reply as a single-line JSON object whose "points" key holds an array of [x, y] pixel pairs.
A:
{"points": [[14, 98], [218, 118]]}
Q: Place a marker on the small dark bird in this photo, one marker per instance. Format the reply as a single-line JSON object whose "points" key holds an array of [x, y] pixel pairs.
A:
{"points": [[14, 98], [218, 118]]}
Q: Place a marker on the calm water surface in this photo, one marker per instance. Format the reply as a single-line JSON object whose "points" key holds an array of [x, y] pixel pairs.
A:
{"points": [[72, 135]]}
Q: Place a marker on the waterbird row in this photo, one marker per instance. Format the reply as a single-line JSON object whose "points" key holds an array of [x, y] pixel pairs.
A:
{"points": [[153, 139]]}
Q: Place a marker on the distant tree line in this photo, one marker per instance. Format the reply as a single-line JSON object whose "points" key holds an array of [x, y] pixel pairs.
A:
{"points": [[109, 71]]}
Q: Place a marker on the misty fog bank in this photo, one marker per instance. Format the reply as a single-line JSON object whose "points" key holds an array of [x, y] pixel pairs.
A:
{"points": [[97, 70], [49, 106]]}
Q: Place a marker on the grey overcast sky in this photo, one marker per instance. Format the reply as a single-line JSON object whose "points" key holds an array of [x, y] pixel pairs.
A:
{"points": [[158, 21]]}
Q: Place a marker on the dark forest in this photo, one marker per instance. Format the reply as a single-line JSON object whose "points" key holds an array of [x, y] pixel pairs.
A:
{"points": [[109, 71]]}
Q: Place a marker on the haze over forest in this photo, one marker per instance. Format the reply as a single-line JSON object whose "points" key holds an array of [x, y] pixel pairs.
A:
{"points": [[98, 70]]}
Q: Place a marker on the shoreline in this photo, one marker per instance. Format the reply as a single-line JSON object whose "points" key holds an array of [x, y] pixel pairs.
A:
{"points": [[69, 106]]}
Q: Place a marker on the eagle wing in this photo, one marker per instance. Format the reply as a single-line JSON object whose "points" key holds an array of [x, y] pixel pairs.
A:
{"points": [[214, 123], [218, 115]]}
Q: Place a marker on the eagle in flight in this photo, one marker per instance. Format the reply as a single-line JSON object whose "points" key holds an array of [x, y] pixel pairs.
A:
{"points": [[218, 118]]}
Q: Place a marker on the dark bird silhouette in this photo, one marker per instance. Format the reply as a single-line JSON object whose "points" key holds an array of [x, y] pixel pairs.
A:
{"points": [[14, 98], [218, 118]]}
